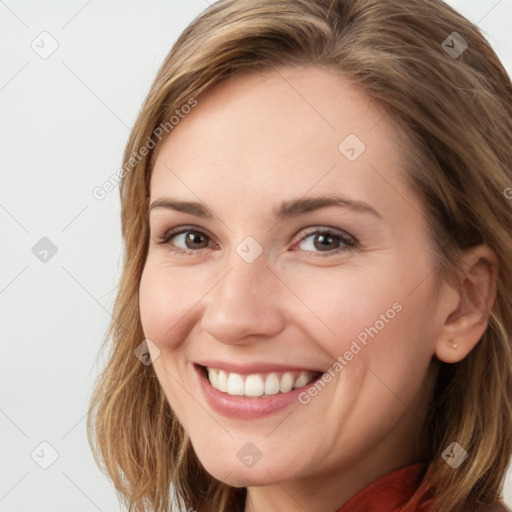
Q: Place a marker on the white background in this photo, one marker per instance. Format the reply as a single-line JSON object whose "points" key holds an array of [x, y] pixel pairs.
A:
{"points": [[64, 123]]}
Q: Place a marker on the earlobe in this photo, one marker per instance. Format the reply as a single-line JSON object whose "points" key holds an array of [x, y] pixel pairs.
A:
{"points": [[466, 323]]}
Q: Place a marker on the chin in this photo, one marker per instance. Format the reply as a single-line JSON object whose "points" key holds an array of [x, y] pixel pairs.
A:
{"points": [[245, 477], [234, 473]]}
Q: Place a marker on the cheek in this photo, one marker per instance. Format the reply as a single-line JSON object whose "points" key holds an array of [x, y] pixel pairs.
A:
{"points": [[165, 304], [339, 304], [164, 300], [368, 315]]}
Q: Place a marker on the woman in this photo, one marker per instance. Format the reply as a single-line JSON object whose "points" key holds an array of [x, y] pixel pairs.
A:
{"points": [[317, 283]]}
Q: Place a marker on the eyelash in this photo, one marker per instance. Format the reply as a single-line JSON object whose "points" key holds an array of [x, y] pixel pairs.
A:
{"points": [[350, 242]]}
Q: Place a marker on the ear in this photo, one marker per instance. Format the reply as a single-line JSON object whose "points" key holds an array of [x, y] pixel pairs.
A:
{"points": [[467, 308]]}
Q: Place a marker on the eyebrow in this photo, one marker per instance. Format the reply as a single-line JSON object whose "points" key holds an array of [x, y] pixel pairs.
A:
{"points": [[290, 208]]}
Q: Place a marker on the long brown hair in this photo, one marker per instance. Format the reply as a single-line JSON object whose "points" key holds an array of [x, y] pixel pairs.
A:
{"points": [[455, 110]]}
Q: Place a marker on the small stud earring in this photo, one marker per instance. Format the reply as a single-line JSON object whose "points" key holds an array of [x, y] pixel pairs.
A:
{"points": [[454, 345]]}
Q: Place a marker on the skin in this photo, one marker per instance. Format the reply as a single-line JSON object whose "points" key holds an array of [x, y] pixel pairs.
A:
{"points": [[250, 144]]}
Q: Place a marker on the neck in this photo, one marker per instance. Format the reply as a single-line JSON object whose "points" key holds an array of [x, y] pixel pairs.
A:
{"points": [[328, 491]]}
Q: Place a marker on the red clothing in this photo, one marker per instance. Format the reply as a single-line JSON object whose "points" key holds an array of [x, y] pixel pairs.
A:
{"points": [[389, 492]]}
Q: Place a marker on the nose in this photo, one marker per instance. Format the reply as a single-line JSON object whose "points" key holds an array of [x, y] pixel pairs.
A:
{"points": [[245, 303]]}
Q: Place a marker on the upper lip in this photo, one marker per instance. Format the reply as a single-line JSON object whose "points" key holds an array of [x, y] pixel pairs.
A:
{"points": [[255, 367]]}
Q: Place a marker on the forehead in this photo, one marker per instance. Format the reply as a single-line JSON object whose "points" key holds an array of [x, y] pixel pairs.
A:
{"points": [[278, 133]]}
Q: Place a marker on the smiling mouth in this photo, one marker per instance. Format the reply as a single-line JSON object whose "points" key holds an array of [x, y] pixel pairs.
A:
{"points": [[258, 385]]}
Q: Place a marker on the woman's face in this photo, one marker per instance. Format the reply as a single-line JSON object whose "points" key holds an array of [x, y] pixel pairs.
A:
{"points": [[269, 288]]}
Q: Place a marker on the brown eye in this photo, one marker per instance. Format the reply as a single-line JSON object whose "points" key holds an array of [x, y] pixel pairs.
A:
{"points": [[323, 242], [326, 241], [185, 240], [195, 240]]}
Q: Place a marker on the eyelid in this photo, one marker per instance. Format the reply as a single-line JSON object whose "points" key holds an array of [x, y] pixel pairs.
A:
{"points": [[305, 232], [350, 241], [178, 230]]}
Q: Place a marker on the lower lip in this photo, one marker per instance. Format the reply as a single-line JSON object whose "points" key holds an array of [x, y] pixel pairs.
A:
{"points": [[245, 407]]}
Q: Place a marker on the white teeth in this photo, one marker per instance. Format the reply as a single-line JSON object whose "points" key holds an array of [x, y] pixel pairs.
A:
{"points": [[287, 381], [258, 385], [213, 376], [302, 380], [254, 385], [272, 384], [235, 384], [222, 381]]}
